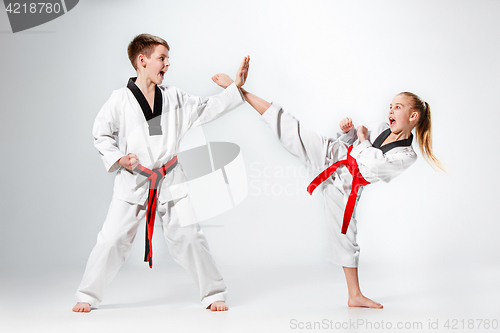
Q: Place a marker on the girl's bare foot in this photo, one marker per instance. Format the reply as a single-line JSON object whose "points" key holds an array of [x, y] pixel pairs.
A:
{"points": [[218, 305], [81, 307], [362, 301], [222, 80]]}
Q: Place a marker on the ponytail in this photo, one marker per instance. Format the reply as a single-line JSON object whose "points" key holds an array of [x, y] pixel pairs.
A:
{"points": [[423, 131]]}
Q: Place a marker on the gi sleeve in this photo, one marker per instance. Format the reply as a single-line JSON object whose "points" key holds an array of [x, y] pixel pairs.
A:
{"points": [[105, 130], [348, 137], [374, 165], [309, 146], [201, 111]]}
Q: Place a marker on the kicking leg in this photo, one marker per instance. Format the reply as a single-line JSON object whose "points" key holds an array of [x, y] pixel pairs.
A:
{"points": [[256, 102], [223, 80]]}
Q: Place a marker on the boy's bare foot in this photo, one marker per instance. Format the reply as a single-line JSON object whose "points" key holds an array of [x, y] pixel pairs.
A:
{"points": [[364, 302], [81, 307], [222, 80], [218, 305]]}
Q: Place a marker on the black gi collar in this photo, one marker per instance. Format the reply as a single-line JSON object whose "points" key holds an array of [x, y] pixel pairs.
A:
{"points": [[385, 148], [153, 119]]}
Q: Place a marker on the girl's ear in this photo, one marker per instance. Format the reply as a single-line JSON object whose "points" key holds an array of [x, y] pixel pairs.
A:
{"points": [[414, 116]]}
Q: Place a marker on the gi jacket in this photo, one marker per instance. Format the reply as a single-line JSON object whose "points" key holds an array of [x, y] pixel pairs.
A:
{"points": [[125, 124]]}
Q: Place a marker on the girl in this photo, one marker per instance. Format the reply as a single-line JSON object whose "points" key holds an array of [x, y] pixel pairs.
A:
{"points": [[379, 152]]}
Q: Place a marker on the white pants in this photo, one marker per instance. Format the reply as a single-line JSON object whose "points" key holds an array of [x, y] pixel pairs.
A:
{"points": [[187, 246], [343, 249]]}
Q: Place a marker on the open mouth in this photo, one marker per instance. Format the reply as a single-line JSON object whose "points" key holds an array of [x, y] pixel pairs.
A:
{"points": [[392, 121]]}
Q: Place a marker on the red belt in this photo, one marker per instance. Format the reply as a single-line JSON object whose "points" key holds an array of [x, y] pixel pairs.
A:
{"points": [[154, 177], [357, 181]]}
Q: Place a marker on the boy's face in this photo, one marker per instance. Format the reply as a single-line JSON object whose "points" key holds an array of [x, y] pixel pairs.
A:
{"points": [[157, 65]]}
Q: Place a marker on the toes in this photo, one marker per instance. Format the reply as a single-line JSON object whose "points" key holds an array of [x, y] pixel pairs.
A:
{"points": [[218, 306]]}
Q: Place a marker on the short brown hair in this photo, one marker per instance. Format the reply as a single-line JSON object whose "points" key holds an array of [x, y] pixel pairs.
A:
{"points": [[144, 44]]}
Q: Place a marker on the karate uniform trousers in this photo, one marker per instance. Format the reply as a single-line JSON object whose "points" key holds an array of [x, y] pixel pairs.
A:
{"points": [[318, 152]]}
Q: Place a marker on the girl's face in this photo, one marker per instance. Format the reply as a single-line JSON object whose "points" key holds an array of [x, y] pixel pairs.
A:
{"points": [[402, 118]]}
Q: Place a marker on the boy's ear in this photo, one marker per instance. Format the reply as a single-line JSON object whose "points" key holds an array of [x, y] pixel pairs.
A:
{"points": [[140, 60]]}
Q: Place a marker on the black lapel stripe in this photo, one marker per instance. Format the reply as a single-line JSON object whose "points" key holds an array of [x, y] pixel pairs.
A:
{"points": [[158, 102], [381, 138], [385, 148], [153, 119]]}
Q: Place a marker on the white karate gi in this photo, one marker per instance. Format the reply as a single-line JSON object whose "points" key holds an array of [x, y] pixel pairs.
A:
{"points": [[318, 152], [121, 128]]}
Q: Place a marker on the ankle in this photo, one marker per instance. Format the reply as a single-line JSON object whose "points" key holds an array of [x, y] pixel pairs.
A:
{"points": [[355, 294]]}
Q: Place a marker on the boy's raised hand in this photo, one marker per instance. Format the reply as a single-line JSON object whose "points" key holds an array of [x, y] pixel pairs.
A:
{"points": [[241, 75], [346, 125]]}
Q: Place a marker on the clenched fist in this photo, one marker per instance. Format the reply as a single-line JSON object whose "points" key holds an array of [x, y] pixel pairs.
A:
{"points": [[362, 133], [130, 161], [346, 125]]}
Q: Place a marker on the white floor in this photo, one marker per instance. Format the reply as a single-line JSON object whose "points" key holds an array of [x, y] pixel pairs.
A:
{"points": [[262, 299]]}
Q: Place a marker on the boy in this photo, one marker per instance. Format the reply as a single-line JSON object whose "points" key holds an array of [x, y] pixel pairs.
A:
{"points": [[137, 133]]}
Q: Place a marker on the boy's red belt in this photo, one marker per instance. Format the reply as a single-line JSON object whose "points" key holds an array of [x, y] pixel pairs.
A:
{"points": [[154, 177], [357, 181]]}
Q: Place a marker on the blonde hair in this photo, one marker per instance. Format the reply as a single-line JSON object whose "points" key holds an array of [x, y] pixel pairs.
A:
{"points": [[144, 44], [423, 130]]}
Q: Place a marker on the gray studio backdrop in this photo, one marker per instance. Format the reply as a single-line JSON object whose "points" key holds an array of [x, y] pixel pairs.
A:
{"points": [[321, 60]]}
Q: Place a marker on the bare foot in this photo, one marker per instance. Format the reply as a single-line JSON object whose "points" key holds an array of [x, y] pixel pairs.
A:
{"points": [[218, 305], [222, 80], [81, 307], [364, 302]]}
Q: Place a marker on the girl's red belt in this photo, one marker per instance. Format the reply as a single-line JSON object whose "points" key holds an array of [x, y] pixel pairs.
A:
{"points": [[154, 177], [357, 181]]}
